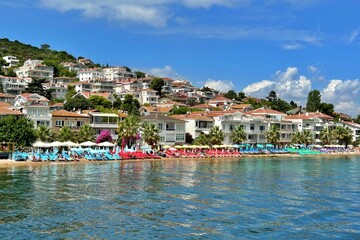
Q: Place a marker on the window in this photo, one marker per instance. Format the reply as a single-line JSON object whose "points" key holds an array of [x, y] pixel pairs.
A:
{"points": [[252, 127], [261, 128], [162, 139], [180, 137], [180, 127], [80, 123], [59, 123], [160, 126]]}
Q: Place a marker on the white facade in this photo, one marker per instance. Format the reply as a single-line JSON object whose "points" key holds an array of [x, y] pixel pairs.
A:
{"points": [[172, 130], [104, 121], [91, 74], [12, 61], [35, 69], [14, 85], [102, 86], [117, 73]]}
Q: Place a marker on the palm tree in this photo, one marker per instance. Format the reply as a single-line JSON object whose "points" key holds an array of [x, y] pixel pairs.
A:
{"points": [[273, 135], [326, 136], [86, 133], [296, 138], [307, 138], [151, 134], [65, 134], [202, 139], [238, 135], [44, 133], [216, 135], [343, 135], [128, 130]]}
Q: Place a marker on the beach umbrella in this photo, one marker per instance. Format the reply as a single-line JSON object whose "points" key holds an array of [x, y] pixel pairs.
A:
{"points": [[166, 146], [178, 146], [106, 144], [87, 144], [269, 145], [259, 145], [56, 144], [236, 145], [194, 146], [205, 146], [40, 144], [70, 144], [216, 146], [172, 149]]}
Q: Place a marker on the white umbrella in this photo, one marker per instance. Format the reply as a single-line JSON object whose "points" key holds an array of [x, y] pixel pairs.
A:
{"points": [[70, 144], [56, 144], [88, 144], [40, 144], [106, 144]]}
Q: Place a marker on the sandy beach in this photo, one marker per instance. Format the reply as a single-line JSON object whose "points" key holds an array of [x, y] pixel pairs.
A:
{"points": [[12, 163]]}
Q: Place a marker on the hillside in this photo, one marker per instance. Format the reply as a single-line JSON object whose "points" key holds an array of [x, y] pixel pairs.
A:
{"points": [[25, 51]]}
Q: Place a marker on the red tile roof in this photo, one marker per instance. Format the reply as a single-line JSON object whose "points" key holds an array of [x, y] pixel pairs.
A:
{"points": [[263, 111], [64, 113], [6, 111]]}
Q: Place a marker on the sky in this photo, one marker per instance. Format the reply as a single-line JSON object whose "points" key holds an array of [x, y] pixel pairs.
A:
{"points": [[254, 46]]}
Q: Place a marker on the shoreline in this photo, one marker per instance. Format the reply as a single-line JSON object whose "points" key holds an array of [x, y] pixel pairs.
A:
{"points": [[11, 163]]}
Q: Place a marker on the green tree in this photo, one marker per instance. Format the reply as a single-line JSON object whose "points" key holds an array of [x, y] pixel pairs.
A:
{"points": [[151, 134], [202, 139], [157, 85], [44, 133], [238, 135], [140, 74], [130, 105], [307, 138], [216, 135], [65, 134], [70, 92], [241, 96], [78, 102], [343, 135], [100, 101], [180, 110], [86, 133], [189, 138], [231, 94], [313, 101], [327, 108], [296, 138], [272, 97], [128, 130], [326, 136], [36, 86], [273, 135], [10, 72], [19, 130]]}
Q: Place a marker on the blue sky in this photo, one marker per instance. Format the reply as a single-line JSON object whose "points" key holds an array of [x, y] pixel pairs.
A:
{"points": [[290, 46]]}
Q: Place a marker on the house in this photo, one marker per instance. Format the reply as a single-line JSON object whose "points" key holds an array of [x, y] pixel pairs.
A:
{"points": [[196, 123], [146, 110], [62, 118], [221, 101], [102, 86], [91, 74], [267, 114], [172, 129], [14, 85], [35, 106], [73, 67], [12, 61], [355, 128], [117, 73], [87, 95], [4, 111], [104, 121], [35, 69], [63, 80], [244, 107], [84, 86], [9, 98], [144, 96]]}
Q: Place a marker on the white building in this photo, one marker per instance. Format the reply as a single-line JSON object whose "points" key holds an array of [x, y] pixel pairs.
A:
{"points": [[91, 74], [102, 86], [14, 85], [35, 69], [12, 61], [172, 129], [117, 73], [144, 96], [34, 106], [84, 86], [104, 121]]}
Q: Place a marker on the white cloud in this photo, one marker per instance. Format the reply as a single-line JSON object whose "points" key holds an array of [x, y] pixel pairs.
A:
{"points": [[353, 36], [312, 68], [166, 71], [287, 85], [220, 85], [341, 90], [152, 12], [293, 46]]}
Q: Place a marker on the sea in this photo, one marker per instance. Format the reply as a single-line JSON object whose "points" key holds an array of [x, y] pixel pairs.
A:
{"points": [[245, 198]]}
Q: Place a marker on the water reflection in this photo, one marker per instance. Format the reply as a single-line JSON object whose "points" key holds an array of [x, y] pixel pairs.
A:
{"points": [[228, 199]]}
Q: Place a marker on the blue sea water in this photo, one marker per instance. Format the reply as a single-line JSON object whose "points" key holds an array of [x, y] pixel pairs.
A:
{"points": [[300, 198]]}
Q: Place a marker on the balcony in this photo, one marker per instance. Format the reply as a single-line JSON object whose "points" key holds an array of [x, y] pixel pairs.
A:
{"points": [[104, 125]]}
